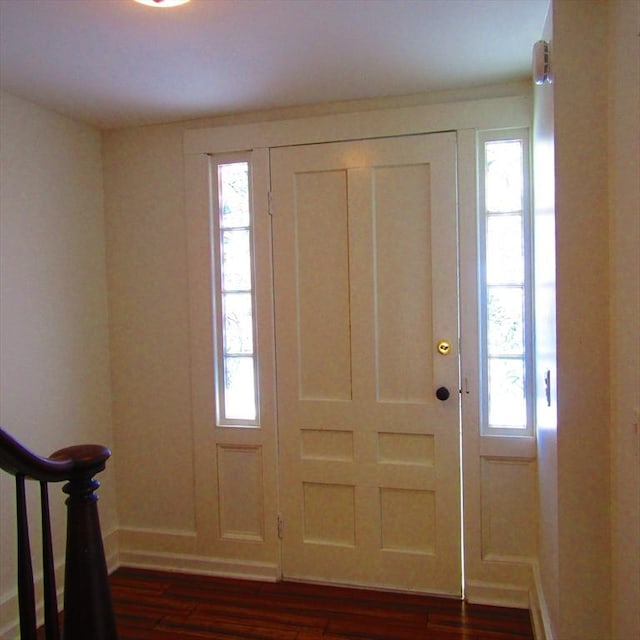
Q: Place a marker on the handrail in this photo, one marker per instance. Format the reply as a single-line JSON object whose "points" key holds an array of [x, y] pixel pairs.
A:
{"points": [[18, 460], [88, 611]]}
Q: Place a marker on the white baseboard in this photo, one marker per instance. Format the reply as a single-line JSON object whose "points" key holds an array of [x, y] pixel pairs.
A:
{"points": [[221, 567], [10, 629], [496, 594], [111, 553], [540, 620]]}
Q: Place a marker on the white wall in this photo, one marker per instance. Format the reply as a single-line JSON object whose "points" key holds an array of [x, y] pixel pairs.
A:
{"points": [[165, 523], [54, 365], [149, 311], [582, 249], [596, 208], [54, 351], [589, 545], [545, 327], [624, 194]]}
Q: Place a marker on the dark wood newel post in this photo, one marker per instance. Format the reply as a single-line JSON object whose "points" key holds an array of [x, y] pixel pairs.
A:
{"points": [[88, 610]]}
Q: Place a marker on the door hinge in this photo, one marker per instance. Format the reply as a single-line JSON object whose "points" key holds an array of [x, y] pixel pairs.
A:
{"points": [[280, 527], [547, 387], [270, 202]]}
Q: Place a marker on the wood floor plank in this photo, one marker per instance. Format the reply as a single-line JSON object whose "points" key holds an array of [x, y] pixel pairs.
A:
{"points": [[487, 622], [262, 615], [215, 629], [161, 606]]}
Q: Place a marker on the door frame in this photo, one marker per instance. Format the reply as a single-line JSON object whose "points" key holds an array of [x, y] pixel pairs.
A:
{"points": [[492, 580]]}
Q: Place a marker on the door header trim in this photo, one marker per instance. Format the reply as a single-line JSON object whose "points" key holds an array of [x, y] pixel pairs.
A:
{"points": [[488, 113]]}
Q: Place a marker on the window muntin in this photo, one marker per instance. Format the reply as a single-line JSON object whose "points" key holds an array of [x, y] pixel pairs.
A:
{"points": [[505, 284], [234, 297]]}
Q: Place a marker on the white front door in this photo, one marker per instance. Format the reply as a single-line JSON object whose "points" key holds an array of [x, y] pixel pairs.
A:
{"points": [[365, 274]]}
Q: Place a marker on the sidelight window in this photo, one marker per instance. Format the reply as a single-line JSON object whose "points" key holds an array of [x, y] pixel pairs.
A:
{"points": [[505, 284], [234, 299]]}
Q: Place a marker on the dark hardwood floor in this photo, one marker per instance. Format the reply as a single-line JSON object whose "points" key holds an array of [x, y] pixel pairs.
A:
{"points": [[170, 606]]}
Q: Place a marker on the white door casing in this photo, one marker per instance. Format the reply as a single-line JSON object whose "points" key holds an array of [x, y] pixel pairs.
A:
{"points": [[491, 523], [366, 284]]}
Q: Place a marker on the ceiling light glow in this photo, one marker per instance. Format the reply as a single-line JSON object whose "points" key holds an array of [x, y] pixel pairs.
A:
{"points": [[162, 3]]}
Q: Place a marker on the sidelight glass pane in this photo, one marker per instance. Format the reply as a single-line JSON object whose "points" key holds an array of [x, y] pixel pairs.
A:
{"points": [[505, 321], [504, 249], [503, 176], [239, 389], [238, 323], [507, 402], [233, 189], [236, 260]]}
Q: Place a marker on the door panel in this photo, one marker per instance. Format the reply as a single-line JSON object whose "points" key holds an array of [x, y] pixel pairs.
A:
{"points": [[365, 273], [323, 282], [402, 268]]}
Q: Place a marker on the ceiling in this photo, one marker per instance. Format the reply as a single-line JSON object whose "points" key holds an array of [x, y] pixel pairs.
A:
{"points": [[115, 63]]}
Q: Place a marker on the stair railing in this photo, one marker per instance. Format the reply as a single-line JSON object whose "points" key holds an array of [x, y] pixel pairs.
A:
{"points": [[88, 609]]}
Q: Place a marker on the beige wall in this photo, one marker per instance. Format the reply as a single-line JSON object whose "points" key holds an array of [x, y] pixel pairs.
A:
{"points": [[589, 546], [54, 352], [165, 523], [146, 252], [624, 194], [596, 173], [54, 366], [582, 240]]}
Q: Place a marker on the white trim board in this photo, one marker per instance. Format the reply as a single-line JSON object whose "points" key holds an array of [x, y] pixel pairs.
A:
{"points": [[496, 594], [481, 114], [540, 619], [200, 565]]}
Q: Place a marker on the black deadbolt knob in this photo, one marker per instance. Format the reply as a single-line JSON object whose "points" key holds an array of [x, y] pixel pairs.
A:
{"points": [[442, 393]]}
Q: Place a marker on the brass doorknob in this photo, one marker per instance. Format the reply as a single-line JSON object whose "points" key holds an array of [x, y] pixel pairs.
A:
{"points": [[444, 347]]}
